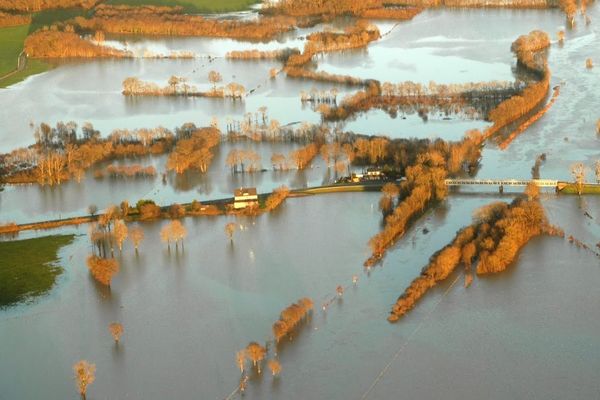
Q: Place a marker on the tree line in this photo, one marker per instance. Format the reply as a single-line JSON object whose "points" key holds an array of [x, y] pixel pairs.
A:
{"points": [[151, 20], [526, 4], [491, 243], [8, 19], [424, 184], [529, 49], [39, 5], [178, 86], [194, 152], [64, 152], [55, 43]]}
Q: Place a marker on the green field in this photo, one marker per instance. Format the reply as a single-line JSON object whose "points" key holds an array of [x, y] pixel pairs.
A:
{"points": [[194, 6], [587, 189], [11, 45], [27, 267]]}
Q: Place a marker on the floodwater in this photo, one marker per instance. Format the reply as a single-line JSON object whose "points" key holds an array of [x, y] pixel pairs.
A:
{"points": [[530, 332]]}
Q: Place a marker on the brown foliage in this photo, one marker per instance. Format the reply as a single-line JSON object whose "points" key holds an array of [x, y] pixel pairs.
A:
{"points": [[498, 233], [149, 211], [230, 230], [194, 152], [7, 19], [399, 13], [291, 316], [102, 269], [148, 20], [120, 233], [274, 366], [127, 171], [38, 5], [85, 375], [137, 235], [56, 44], [526, 4], [304, 156], [325, 7], [256, 353], [276, 198], [116, 330]]}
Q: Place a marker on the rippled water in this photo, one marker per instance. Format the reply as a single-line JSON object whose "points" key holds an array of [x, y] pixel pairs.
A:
{"points": [[530, 332]]}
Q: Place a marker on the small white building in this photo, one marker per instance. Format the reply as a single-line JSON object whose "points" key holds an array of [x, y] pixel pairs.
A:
{"points": [[245, 197]]}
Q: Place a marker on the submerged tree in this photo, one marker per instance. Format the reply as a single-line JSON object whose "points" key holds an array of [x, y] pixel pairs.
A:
{"points": [[85, 375], [178, 231], [256, 353], [214, 77], [578, 172], [102, 269], [116, 330], [137, 235], [240, 357], [120, 233], [274, 366], [230, 230]]}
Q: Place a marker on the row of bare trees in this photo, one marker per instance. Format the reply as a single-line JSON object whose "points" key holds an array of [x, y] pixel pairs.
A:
{"points": [[240, 160], [178, 86], [63, 152]]}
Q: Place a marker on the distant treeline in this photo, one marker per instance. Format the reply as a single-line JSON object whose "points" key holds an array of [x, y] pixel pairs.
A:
{"points": [[150, 20], [8, 19], [38, 5]]}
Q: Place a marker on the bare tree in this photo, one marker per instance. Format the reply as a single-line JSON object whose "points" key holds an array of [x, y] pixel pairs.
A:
{"points": [[578, 171], [214, 77], [240, 357], [229, 230], [120, 233], [137, 235]]}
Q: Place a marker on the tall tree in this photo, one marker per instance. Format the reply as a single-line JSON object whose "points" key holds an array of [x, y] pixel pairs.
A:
{"points": [[256, 353], [85, 375], [116, 330], [214, 77]]}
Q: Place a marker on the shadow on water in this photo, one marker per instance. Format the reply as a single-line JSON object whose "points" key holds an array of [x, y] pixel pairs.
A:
{"points": [[108, 300], [118, 353]]}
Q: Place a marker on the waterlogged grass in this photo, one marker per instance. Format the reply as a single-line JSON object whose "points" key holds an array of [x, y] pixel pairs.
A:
{"points": [[27, 267], [194, 6]]}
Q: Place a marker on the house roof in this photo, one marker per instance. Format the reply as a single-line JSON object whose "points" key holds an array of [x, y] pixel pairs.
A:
{"points": [[245, 192]]}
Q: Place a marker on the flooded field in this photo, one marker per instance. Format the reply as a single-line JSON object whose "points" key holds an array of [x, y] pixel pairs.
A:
{"points": [[530, 332]]}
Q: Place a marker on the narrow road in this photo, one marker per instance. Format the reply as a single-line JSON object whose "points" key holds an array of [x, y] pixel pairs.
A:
{"points": [[21, 64]]}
